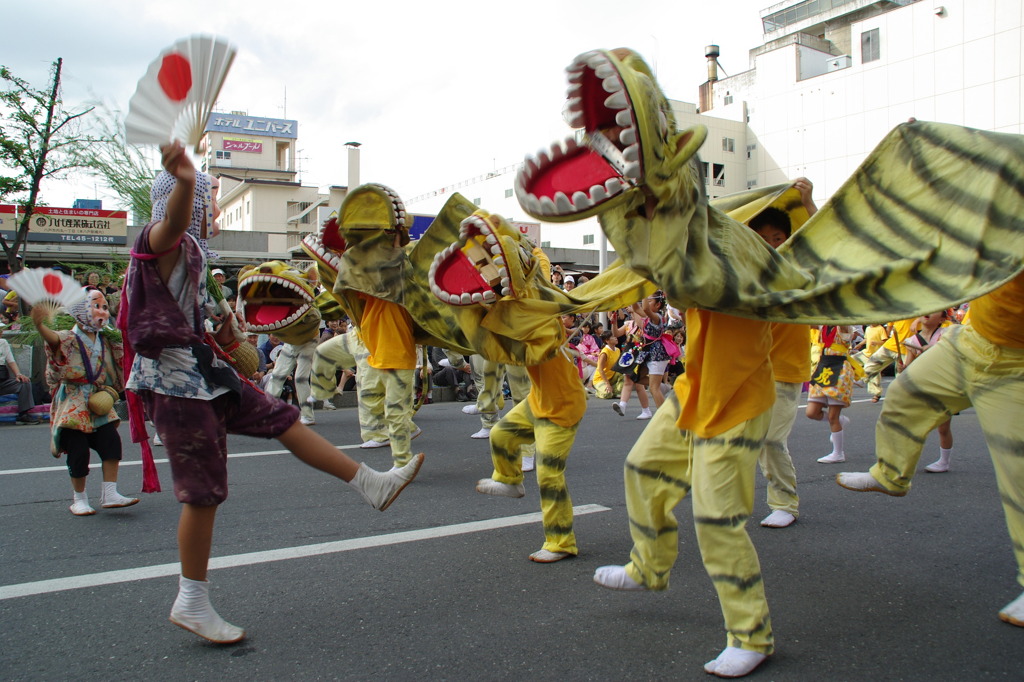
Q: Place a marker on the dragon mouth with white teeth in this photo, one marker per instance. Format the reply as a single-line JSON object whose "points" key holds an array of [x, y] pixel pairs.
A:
{"points": [[270, 303], [325, 247], [573, 180], [475, 269]]}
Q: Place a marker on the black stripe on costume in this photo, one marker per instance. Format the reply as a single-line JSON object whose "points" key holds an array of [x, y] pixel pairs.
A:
{"points": [[557, 494], [763, 627], [553, 462], [727, 521], [653, 533], [736, 581], [659, 475]]}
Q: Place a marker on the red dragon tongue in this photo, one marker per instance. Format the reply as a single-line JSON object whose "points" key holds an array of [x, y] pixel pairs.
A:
{"points": [[269, 314], [457, 275]]}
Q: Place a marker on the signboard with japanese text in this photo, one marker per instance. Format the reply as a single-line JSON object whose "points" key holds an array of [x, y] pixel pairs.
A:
{"points": [[240, 124], [241, 144], [67, 225], [420, 223]]}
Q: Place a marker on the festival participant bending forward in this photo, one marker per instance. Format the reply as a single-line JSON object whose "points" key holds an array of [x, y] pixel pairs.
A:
{"points": [[195, 399], [548, 418], [80, 362], [979, 365], [706, 437]]}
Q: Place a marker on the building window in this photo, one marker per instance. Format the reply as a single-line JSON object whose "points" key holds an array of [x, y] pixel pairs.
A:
{"points": [[728, 144], [508, 193], [719, 170], [751, 148], [476, 201], [751, 184], [223, 155], [588, 239], [706, 172], [728, 100], [545, 245], [870, 50], [246, 207]]}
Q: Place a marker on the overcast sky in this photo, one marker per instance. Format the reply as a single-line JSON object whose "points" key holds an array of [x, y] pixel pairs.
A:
{"points": [[436, 92]]}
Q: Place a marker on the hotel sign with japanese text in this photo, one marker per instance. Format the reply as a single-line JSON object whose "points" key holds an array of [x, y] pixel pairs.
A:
{"points": [[67, 225], [239, 124]]}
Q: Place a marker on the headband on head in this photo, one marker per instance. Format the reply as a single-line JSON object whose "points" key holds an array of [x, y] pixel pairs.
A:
{"points": [[202, 205]]}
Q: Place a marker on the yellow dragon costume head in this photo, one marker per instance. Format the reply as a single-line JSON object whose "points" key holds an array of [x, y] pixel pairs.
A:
{"points": [[365, 249], [275, 298], [492, 278], [930, 219]]}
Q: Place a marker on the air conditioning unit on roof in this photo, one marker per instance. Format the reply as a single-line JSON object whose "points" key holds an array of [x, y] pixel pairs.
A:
{"points": [[841, 62]]}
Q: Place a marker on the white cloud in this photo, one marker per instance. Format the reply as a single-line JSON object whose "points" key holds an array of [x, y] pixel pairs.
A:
{"points": [[435, 92]]}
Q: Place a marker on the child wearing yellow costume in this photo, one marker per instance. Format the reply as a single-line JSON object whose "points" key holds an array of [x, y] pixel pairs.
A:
{"points": [[706, 439], [608, 384]]}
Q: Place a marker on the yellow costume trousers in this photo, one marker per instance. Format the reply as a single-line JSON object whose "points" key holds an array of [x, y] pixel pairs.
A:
{"points": [[775, 460], [664, 465], [398, 388], [879, 360], [488, 377], [375, 421], [330, 356], [520, 428], [612, 390], [962, 370], [296, 360]]}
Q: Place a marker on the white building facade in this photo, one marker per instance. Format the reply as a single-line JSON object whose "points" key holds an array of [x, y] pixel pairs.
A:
{"points": [[830, 80], [834, 76]]}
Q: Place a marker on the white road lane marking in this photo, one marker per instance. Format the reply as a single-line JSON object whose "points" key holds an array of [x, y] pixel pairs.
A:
{"points": [[127, 463], [283, 554]]}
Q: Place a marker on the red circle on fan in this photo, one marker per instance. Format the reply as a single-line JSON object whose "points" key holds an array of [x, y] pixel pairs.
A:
{"points": [[175, 76], [52, 284]]}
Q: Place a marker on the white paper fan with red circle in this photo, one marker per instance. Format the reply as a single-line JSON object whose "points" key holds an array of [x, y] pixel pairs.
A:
{"points": [[174, 99], [42, 286]]}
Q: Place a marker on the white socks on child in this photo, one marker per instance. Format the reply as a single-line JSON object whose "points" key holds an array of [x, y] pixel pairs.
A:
{"points": [[837, 454], [1013, 613], [941, 465], [110, 498], [192, 611], [381, 489], [80, 505], [616, 578], [734, 662]]}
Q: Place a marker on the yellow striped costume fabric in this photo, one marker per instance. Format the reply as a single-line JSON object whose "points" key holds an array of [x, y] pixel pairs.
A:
{"points": [[964, 370]]}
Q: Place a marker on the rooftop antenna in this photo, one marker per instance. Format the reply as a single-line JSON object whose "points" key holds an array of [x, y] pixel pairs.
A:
{"points": [[299, 158]]}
